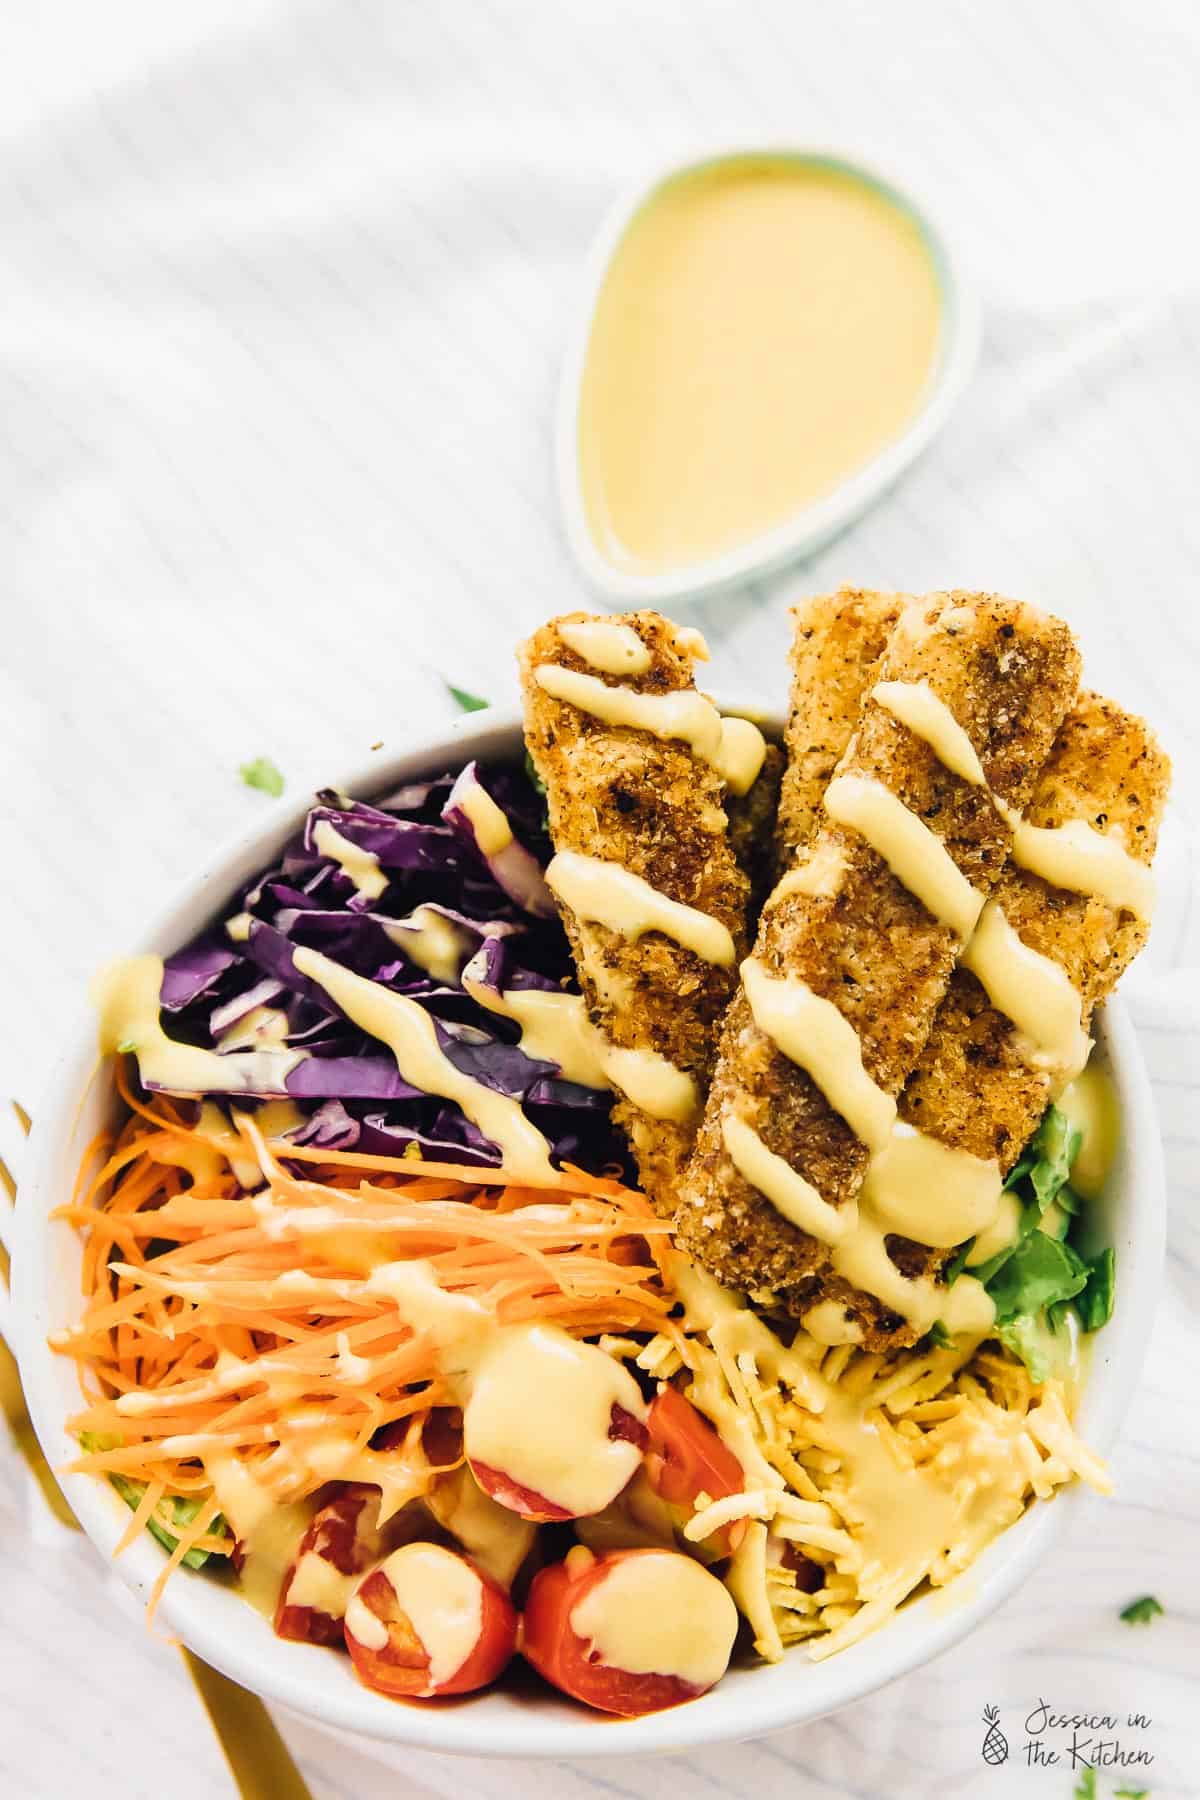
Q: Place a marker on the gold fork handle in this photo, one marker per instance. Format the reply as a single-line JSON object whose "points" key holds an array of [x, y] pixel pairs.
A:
{"points": [[259, 1760]]}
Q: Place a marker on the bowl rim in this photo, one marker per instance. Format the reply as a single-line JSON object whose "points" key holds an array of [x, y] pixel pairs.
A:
{"points": [[744, 1705], [813, 524]]}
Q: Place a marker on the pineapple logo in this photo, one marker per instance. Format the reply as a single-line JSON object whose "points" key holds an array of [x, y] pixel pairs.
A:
{"points": [[995, 1744]]}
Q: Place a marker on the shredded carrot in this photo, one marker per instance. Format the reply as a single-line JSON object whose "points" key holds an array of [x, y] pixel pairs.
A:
{"points": [[220, 1323]]}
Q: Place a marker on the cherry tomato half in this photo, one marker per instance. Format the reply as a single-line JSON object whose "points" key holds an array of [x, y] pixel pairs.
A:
{"points": [[686, 1458], [342, 1541], [579, 1610], [427, 1622]]}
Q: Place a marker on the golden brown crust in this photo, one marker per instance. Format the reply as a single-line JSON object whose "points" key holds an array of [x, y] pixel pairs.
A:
{"points": [[1009, 674], [836, 638], [653, 806]]}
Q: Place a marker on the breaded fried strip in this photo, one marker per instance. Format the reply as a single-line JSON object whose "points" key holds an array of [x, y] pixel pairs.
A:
{"points": [[836, 639], [861, 940], [974, 1087], [653, 806]]}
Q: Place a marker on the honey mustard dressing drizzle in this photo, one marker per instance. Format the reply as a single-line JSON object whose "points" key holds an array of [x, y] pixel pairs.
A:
{"points": [[916, 855], [408, 1031], [607, 645], [358, 865], [606, 893], [126, 997], [733, 747], [1031, 990], [1085, 861], [814, 1035], [915, 704], [556, 1028]]}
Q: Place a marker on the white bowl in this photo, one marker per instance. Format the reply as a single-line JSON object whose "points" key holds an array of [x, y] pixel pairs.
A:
{"points": [[811, 525], [215, 1622]]}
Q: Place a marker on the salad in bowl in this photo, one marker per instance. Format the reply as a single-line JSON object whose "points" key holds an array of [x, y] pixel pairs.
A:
{"points": [[618, 1219]]}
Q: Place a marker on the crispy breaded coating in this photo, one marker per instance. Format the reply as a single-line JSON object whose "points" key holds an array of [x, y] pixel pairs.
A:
{"points": [[973, 1089], [752, 824], [1009, 675], [653, 806], [836, 638]]}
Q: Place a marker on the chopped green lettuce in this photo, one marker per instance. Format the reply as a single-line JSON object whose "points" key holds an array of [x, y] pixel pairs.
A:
{"points": [[179, 1510], [1039, 1272], [1095, 1302], [1055, 1148], [1034, 1279]]}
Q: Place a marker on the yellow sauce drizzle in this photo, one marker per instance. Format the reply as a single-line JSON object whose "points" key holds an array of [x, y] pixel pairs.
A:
{"points": [[1090, 1103], [733, 747], [607, 894], [362, 866], [126, 996], [659, 1614], [813, 1034], [434, 943], [607, 645], [1084, 861], [924, 1190], [1032, 990], [792, 1197], [407, 1030], [915, 704], [493, 833], [916, 855]]}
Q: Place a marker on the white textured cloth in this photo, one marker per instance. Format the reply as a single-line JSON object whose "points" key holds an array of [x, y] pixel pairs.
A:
{"points": [[285, 290]]}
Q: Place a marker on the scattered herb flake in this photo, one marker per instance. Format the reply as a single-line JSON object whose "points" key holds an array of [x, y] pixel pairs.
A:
{"points": [[1085, 1787], [469, 702], [126, 1047], [262, 774], [1131, 1794], [1140, 1612], [939, 1337]]}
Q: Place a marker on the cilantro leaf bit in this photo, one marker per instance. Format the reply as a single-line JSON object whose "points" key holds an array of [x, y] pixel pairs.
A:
{"points": [[180, 1509], [1085, 1787], [1140, 1612], [467, 701], [262, 774], [1131, 1794], [939, 1337], [126, 1047]]}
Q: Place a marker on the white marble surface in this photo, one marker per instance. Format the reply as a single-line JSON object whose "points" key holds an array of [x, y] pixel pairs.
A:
{"points": [[284, 291]]}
